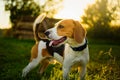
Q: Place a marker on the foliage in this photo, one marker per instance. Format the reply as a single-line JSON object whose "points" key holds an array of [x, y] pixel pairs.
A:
{"points": [[113, 32], [110, 33], [98, 17], [104, 61], [19, 8], [50, 7]]}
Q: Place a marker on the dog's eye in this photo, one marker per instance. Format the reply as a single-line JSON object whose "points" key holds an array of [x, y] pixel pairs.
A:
{"points": [[60, 26]]}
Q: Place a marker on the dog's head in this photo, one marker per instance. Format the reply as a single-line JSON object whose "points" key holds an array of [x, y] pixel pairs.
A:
{"points": [[66, 30], [41, 24]]}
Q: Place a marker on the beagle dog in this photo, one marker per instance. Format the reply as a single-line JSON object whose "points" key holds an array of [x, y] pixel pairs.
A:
{"points": [[67, 43], [70, 33]]}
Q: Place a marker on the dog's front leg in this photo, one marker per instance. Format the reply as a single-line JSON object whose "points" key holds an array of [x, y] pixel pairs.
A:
{"points": [[83, 72], [65, 73], [30, 66], [66, 69]]}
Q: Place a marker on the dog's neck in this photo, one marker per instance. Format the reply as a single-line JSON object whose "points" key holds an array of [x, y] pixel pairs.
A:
{"points": [[73, 43]]}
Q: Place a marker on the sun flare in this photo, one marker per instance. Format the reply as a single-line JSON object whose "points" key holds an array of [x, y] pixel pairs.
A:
{"points": [[73, 9]]}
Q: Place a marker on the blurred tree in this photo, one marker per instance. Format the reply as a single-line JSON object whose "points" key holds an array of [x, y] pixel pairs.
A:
{"points": [[19, 8], [50, 7], [99, 15]]}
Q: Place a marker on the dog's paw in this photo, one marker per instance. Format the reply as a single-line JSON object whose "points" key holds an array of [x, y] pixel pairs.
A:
{"points": [[24, 72]]}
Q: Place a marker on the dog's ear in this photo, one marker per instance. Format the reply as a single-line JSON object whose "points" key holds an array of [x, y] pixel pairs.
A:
{"points": [[79, 32]]}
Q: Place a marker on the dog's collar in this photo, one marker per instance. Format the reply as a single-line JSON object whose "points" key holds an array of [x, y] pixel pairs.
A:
{"points": [[80, 48]]}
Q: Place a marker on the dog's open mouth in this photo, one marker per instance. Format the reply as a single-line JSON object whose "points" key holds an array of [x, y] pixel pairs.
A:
{"points": [[57, 42]]}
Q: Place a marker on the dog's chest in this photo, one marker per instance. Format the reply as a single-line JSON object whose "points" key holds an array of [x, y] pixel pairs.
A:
{"points": [[74, 56], [59, 50]]}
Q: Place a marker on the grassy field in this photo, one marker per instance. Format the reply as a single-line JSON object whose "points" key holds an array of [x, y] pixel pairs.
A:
{"points": [[104, 61]]}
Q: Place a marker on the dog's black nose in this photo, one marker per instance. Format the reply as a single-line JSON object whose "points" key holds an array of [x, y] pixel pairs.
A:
{"points": [[47, 33]]}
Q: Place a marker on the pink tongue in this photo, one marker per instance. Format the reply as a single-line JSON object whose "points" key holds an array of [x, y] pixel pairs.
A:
{"points": [[56, 42]]}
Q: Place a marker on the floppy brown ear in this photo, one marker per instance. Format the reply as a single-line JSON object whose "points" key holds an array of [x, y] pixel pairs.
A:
{"points": [[79, 32]]}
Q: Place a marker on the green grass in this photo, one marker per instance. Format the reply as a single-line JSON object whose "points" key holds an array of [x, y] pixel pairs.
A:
{"points": [[104, 61]]}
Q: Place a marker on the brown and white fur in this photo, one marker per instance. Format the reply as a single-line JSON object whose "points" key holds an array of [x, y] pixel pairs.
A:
{"points": [[73, 35], [39, 27]]}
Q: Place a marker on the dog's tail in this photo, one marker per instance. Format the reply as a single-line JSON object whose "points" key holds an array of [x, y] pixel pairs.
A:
{"points": [[36, 25]]}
